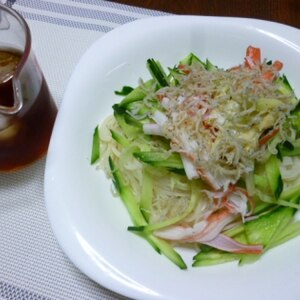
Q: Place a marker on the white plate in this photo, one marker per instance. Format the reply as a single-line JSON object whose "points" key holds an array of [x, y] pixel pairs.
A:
{"points": [[91, 225]]}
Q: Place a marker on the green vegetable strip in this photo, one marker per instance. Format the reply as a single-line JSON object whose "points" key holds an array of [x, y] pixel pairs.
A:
{"points": [[273, 176], [290, 232], [209, 66], [211, 256], [138, 219], [192, 59], [270, 230], [126, 196], [288, 150], [135, 95], [168, 251], [288, 204], [128, 130], [261, 182], [262, 230], [157, 72], [95, 146], [125, 91], [291, 193], [214, 257], [235, 230], [119, 138], [195, 197], [160, 159], [285, 219], [284, 85], [147, 194]]}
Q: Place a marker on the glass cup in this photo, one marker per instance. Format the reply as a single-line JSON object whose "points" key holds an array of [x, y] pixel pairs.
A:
{"points": [[27, 110]]}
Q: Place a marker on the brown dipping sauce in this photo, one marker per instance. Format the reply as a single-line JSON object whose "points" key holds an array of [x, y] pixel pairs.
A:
{"points": [[8, 64], [27, 136]]}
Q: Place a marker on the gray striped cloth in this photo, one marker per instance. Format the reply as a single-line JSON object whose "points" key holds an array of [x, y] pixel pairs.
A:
{"points": [[32, 265]]}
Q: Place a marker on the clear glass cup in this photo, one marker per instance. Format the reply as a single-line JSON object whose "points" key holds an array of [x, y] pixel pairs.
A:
{"points": [[27, 110]]}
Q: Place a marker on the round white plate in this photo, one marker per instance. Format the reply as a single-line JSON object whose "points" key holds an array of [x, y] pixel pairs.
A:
{"points": [[91, 225]]}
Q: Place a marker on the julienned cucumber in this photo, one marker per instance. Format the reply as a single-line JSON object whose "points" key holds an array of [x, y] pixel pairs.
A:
{"points": [[96, 146], [273, 176], [266, 230], [135, 95], [169, 161], [138, 218], [270, 228], [267, 177], [157, 72]]}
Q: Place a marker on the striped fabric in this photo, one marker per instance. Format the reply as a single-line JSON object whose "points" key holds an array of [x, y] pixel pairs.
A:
{"points": [[32, 265], [90, 14]]}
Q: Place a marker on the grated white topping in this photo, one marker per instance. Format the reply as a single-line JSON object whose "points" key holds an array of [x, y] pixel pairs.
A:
{"points": [[216, 118]]}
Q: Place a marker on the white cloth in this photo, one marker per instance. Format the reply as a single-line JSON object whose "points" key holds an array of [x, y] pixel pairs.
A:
{"points": [[32, 265]]}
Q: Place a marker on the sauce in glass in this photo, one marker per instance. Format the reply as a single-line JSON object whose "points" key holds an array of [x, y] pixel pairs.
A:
{"points": [[24, 137]]}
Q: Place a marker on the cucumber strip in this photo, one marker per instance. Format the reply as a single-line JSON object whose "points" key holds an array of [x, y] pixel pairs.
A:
{"points": [[286, 83], [147, 194], [195, 197], [279, 188], [143, 110], [286, 219], [288, 204], [249, 259], [290, 193], [95, 146], [210, 256], [235, 230], [284, 86], [295, 121], [128, 130], [157, 72], [119, 138], [263, 229], [174, 74], [168, 251], [263, 208], [121, 112], [138, 219], [161, 159], [135, 95], [188, 59], [126, 195], [295, 113], [288, 151], [192, 59], [214, 257], [210, 66], [261, 182], [125, 91], [133, 122], [291, 231], [284, 202], [273, 175]]}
